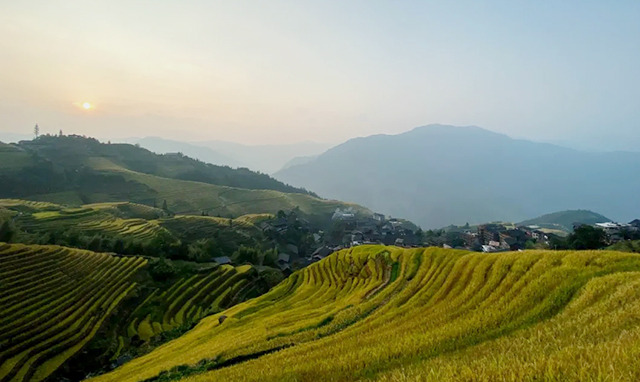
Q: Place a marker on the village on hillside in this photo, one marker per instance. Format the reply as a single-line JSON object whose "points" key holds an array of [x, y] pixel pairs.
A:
{"points": [[301, 243], [499, 237]]}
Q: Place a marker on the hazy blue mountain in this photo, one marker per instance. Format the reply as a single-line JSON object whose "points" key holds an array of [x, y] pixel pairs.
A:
{"points": [[205, 154], [564, 220], [439, 175], [266, 158], [298, 161], [263, 158]]}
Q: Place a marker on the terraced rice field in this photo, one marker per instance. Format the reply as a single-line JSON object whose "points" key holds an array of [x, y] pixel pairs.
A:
{"points": [[190, 299], [29, 204], [90, 220], [52, 302], [391, 314], [130, 210]]}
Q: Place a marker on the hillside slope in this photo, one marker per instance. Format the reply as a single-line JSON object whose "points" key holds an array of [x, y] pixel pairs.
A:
{"points": [[68, 154], [392, 314], [75, 171], [440, 175]]}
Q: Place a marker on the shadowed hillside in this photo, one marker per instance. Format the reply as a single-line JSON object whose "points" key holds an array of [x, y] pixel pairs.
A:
{"points": [[392, 314]]}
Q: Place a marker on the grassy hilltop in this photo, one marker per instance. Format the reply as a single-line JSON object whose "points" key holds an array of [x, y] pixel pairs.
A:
{"points": [[392, 314], [74, 170]]}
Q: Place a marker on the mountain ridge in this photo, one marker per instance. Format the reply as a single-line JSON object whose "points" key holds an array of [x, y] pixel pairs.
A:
{"points": [[438, 175]]}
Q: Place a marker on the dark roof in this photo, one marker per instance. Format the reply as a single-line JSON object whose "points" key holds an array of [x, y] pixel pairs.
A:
{"points": [[222, 260], [284, 266], [292, 248], [283, 257], [322, 252], [279, 222], [510, 240]]}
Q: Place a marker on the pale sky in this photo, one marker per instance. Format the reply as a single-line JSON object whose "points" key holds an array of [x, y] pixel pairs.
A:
{"points": [[286, 71]]}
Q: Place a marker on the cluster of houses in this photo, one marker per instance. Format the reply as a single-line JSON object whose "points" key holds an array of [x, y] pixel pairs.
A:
{"points": [[351, 231], [375, 229], [616, 231], [496, 237], [300, 243], [347, 229]]}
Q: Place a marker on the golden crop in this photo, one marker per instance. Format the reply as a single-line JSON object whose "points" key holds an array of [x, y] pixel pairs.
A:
{"points": [[52, 302], [441, 315]]}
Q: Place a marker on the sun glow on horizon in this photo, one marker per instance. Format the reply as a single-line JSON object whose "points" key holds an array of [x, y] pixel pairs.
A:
{"points": [[87, 106]]}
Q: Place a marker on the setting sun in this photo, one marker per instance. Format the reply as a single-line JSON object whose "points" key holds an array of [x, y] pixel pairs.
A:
{"points": [[87, 105]]}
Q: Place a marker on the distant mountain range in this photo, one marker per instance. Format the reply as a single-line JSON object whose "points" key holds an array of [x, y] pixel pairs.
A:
{"points": [[438, 175], [263, 158], [205, 154]]}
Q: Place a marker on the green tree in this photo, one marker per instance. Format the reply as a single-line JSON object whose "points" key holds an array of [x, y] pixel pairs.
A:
{"points": [[164, 205], [246, 254], [419, 234], [270, 258], [587, 237], [6, 232], [118, 246], [162, 269]]}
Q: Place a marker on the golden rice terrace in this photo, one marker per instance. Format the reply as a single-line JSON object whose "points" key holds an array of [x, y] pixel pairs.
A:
{"points": [[391, 314], [52, 302]]}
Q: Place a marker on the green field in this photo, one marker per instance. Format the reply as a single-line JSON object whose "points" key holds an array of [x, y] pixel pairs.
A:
{"points": [[52, 302], [392, 314], [188, 197], [14, 159]]}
